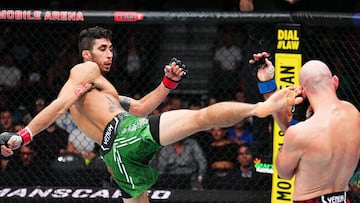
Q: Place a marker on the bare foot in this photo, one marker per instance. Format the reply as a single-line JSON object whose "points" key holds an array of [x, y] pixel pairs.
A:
{"points": [[284, 98]]}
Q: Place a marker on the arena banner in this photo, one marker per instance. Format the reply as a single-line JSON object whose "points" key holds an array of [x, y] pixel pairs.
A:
{"points": [[36, 194], [288, 61], [110, 17], [18, 15], [89, 195]]}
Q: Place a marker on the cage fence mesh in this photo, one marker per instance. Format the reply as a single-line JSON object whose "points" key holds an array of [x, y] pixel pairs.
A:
{"points": [[35, 63]]}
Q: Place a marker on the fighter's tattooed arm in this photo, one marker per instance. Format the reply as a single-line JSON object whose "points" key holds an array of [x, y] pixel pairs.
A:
{"points": [[125, 102]]}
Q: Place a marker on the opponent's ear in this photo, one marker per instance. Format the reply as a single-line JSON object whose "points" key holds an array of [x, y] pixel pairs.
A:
{"points": [[86, 55], [336, 82]]}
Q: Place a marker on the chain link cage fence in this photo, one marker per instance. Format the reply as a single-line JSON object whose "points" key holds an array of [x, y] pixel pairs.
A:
{"points": [[61, 164]]}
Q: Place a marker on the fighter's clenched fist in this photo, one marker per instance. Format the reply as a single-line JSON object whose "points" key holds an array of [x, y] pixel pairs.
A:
{"points": [[12, 141]]}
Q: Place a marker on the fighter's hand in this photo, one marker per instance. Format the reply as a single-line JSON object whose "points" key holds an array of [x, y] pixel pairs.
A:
{"points": [[264, 67], [5, 151], [176, 70], [282, 100], [9, 142], [174, 73]]}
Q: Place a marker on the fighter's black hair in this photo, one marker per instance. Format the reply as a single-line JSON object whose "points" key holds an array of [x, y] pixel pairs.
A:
{"points": [[87, 37]]}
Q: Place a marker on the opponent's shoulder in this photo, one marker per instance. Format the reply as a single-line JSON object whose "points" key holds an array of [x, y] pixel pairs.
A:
{"points": [[293, 129], [350, 106], [348, 110], [297, 133]]}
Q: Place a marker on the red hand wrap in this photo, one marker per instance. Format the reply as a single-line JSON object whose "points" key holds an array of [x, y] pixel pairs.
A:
{"points": [[26, 135], [169, 83]]}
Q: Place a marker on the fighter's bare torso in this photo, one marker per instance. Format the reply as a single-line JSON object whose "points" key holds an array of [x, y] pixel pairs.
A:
{"points": [[330, 151], [96, 106]]}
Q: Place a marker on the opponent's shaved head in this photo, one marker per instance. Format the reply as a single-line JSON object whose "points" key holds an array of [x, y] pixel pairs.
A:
{"points": [[315, 75]]}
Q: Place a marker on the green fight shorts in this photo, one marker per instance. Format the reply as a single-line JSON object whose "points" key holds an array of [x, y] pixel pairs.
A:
{"points": [[129, 143]]}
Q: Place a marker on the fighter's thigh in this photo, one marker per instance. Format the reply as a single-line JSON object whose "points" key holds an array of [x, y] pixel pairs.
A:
{"points": [[178, 124]]}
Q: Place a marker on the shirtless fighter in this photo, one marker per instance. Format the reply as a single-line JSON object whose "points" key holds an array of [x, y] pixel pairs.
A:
{"points": [[322, 152], [128, 140]]}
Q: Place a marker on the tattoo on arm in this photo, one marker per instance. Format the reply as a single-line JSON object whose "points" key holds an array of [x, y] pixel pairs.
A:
{"points": [[81, 89], [125, 103]]}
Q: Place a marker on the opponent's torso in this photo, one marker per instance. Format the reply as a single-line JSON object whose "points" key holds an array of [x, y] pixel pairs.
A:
{"points": [[331, 152], [93, 110]]}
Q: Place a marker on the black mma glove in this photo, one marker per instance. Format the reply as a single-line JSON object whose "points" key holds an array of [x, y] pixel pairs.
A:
{"points": [[5, 137], [300, 112], [182, 66], [170, 83], [21, 138], [264, 86]]}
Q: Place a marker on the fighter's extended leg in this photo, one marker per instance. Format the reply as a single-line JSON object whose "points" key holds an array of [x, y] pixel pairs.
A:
{"points": [[178, 124]]}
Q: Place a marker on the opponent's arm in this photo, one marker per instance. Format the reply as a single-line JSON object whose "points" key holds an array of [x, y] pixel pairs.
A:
{"points": [[265, 73], [174, 72], [289, 155], [267, 86], [80, 79]]}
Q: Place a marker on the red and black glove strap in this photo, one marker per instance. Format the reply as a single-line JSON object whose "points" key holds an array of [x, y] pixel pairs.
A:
{"points": [[169, 83], [26, 135]]}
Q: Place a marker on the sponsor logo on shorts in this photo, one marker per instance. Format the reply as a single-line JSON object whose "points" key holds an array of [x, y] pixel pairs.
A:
{"points": [[135, 126], [333, 199], [107, 135]]}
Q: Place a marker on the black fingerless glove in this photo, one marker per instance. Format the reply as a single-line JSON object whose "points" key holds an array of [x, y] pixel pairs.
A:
{"points": [[182, 66], [263, 86], [299, 112], [170, 83], [24, 135], [5, 137]]}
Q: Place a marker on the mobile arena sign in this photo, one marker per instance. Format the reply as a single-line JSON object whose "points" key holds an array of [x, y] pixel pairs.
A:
{"points": [[41, 15], [69, 16]]}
